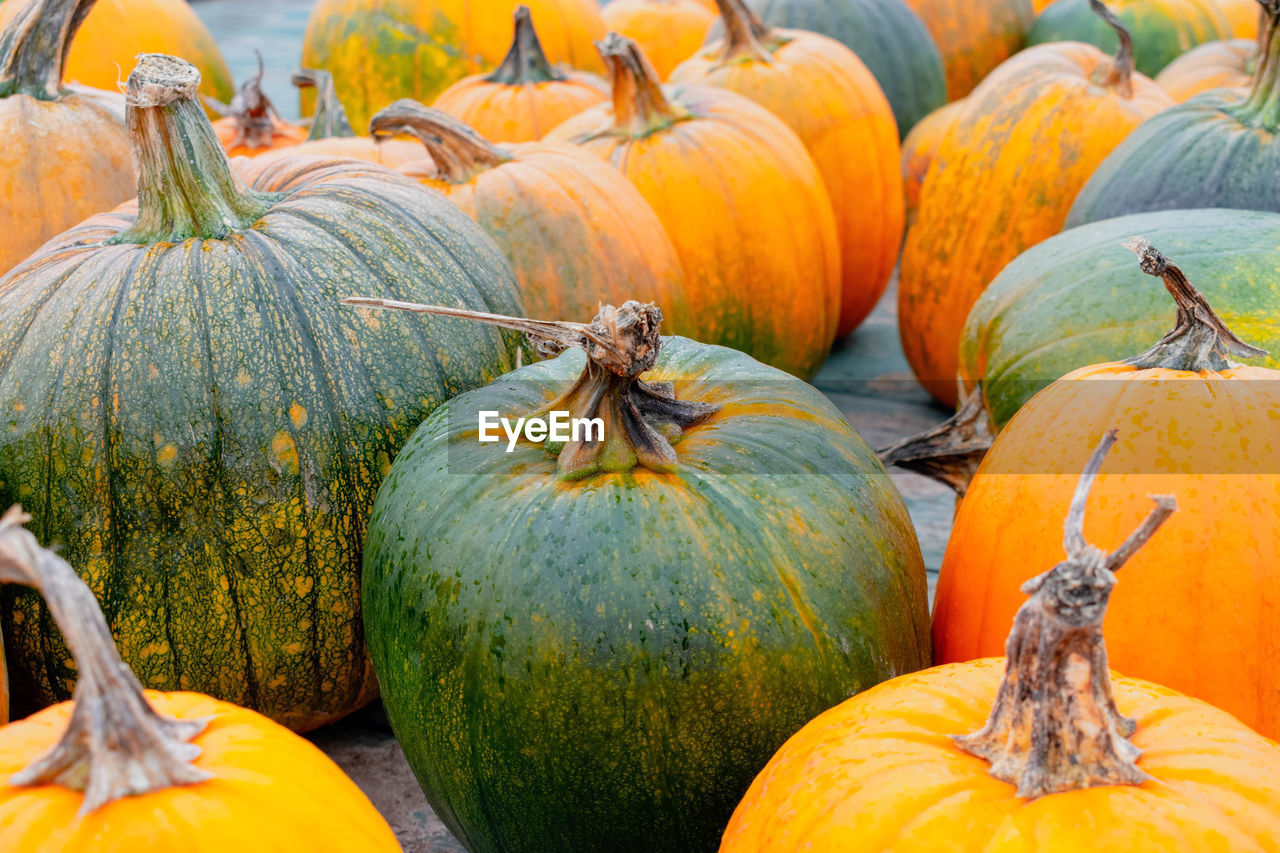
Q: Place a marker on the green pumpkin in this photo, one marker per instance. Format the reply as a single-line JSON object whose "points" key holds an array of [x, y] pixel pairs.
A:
{"points": [[885, 34], [1218, 149], [201, 427], [579, 661], [1078, 299], [1162, 30]]}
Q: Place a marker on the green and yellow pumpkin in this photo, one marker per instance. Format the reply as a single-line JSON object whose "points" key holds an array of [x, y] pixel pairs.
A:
{"points": [[200, 426]]}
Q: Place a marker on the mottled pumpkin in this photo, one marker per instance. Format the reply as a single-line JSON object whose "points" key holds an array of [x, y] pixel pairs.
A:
{"points": [[919, 149], [828, 97], [741, 200], [63, 156], [1074, 300], [116, 31], [119, 769], [382, 50], [574, 229], [1216, 65], [668, 31], [885, 34], [611, 652], [1217, 150], [200, 426], [526, 95], [1003, 180], [974, 36], [1204, 592], [1162, 30]]}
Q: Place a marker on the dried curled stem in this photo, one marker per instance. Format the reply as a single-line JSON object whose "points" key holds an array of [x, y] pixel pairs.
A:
{"points": [[1119, 74], [115, 745], [252, 110], [459, 153], [1055, 726], [950, 452]]}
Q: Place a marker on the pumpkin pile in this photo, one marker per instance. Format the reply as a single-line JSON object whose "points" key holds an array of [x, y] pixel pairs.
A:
{"points": [[481, 390]]}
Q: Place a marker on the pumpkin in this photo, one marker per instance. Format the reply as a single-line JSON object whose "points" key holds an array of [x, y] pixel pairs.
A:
{"points": [[382, 50], [1040, 750], [576, 232], [1162, 30], [668, 31], [1071, 301], [1003, 180], [120, 769], [1216, 65], [115, 31], [974, 37], [1242, 15], [1198, 424], [610, 638], [741, 200], [215, 422], [250, 124], [525, 96], [919, 148], [885, 34], [63, 156], [833, 103], [1216, 150]]}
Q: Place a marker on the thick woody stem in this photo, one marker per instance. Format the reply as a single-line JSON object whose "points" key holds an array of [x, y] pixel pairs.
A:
{"points": [[525, 63], [639, 106], [642, 420], [1119, 74], [115, 745], [745, 35], [330, 119], [34, 47], [458, 151], [950, 452], [1200, 340], [1054, 725]]}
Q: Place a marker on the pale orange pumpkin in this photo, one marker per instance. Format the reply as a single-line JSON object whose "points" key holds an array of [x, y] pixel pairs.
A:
{"points": [[526, 95], [1216, 65], [120, 769], [740, 198], [828, 97], [1042, 750], [668, 31]]}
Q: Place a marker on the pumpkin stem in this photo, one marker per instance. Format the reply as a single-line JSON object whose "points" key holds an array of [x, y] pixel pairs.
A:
{"points": [[639, 106], [1054, 725], [254, 114], [186, 187], [525, 64], [458, 151], [330, 119], [745, 35], [1118, 75], [641, 420], [1262, 108], [115, 745], [34, 47], [1199, 340], [950, 452]]}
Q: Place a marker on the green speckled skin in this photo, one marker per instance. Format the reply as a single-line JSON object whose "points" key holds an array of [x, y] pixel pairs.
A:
{"points": [[887, 36], [202, 428], [1079, 298], [1196, 154], [604, 665]]}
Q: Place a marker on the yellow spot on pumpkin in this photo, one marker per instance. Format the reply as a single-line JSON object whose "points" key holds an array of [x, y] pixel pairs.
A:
{"points": [[19, 407], [757, 596], [298, 415], [302, 586], [152, 371], [285, 451], [292, 648], [167, 455], [243, 377], [19, 617]]}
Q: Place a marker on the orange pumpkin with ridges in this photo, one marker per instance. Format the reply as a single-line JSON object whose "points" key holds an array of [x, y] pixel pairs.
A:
{"points": [[1004, 179], [741, 200], [828, 97], [668, 31], [919, 148], [974, 36]]}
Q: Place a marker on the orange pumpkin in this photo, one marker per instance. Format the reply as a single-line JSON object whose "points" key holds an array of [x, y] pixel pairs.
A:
{"points": [[974, 36], [1216, 65], [1243, 15], [576, 232], [668, 31], [116, 31], [1194, 424], [828, 97], [121, 769], [741, 200], [919, 148], [525, 96], [1043, 749], [250, 124], [63, 156], [1004, 179]]}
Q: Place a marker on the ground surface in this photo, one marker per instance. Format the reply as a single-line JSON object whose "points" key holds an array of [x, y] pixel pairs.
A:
{"points": [[866, 377]]}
